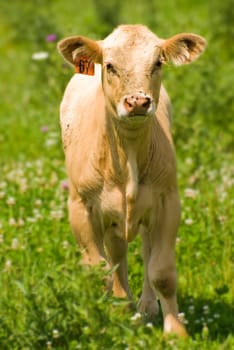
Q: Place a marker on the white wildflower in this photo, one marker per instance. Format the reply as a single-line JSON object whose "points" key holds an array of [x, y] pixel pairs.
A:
{"points": [[8, 265], [141, 343], [191, 309], [223, 196], [12, 222], [51, 142], [3, 185], [136, 317], [193, 179], [10, 201], [37, 214], [57, 214], [21, 222], [2, 194], [65, 244], [30, 219], [40, 55], [181, 317], [149, 325], [205, 331], [49, 345], [191, 193], [189, 161], [23, 186], [15, 244], [188, 221], [206, 309], [38, 202], [212, 175], [55, 333]]}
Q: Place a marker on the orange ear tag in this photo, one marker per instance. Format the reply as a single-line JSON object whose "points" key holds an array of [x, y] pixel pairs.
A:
{"points": [[84, 66]]}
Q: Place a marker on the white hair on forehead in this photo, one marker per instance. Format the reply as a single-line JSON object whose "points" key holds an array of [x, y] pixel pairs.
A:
{"points": [[131, 34]]}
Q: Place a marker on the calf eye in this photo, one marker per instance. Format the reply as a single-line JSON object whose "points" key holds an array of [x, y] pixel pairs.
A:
{"points": [[159, 62], [157, 65], [110, 68]]}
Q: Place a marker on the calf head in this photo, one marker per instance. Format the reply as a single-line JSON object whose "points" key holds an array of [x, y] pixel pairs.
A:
{"points": [[132, 58]]}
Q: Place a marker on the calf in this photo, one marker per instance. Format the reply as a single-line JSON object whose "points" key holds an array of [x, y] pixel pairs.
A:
{"points": [[120, 157]]}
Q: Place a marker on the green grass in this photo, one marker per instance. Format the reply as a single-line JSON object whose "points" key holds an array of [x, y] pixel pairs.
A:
{"points": [[48, 300]]}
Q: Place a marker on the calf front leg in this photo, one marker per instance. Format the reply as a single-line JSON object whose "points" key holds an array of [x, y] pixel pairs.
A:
{"points": [[87, 232], [117, 253], [162, 267]]}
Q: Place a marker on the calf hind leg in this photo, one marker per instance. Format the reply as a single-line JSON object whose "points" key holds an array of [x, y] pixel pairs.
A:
{"points": [[163, 280], [147, 304]]}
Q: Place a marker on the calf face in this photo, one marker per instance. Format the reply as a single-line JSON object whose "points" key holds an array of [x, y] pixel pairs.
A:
{"points": [[132, 59]]}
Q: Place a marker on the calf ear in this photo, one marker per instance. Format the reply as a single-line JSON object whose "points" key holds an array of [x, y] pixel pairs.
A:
{"points": [[75, 46], [183, 48]]}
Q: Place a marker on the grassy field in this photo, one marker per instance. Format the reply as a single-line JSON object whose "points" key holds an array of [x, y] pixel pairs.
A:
{"points": [[48, 300]]}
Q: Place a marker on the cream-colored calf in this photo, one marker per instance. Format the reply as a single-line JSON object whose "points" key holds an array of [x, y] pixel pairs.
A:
{"points": [[120, 157]]}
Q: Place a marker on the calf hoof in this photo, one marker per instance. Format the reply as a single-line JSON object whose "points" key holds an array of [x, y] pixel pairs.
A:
{"points": [[148, 308], [173, 326]]}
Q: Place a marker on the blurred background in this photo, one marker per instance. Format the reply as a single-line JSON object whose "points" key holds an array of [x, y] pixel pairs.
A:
{"points": [[33, 75]]}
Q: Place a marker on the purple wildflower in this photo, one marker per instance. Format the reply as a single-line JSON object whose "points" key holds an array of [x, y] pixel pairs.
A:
{"points": [[51, 37], [44, 128], [65, 185]]}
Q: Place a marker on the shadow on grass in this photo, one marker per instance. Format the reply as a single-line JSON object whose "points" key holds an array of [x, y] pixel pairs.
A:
{"points": [[213, 319]]}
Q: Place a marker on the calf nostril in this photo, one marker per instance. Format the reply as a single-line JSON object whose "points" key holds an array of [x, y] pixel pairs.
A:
{"points": [[146, 104], [128, 104]]}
